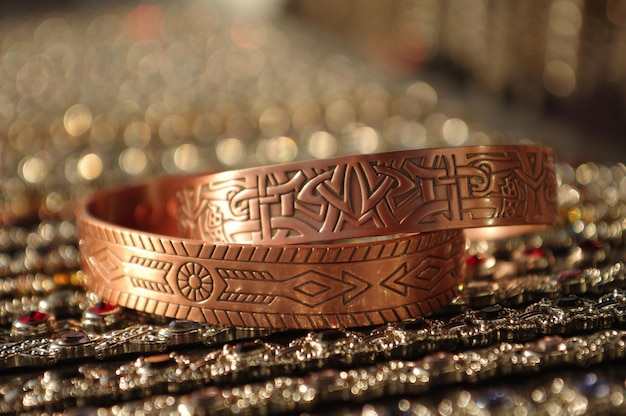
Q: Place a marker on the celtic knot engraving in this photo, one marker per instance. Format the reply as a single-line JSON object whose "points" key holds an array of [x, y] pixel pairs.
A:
{"points": [[353, 194], [422, 190], [513, 198]]}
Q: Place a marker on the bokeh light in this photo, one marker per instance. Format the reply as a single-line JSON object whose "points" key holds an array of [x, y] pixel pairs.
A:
{"points": [[90, 166], [230, 151], [77, 119]]}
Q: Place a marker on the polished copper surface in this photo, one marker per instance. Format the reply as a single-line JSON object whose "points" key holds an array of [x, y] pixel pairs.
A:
{"points": [[372, 194], [237, 263], [132, 260]]}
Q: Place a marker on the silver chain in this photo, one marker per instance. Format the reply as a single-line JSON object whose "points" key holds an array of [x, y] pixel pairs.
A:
{"points": [[212, 376]]}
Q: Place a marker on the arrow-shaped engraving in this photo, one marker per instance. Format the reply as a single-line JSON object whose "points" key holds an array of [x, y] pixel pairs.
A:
{"points": [[142, 272], [424, 276], [310, 288], [148, 273]]}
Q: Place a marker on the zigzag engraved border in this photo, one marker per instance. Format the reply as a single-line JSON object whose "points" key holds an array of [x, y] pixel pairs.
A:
{"points": [[252, 253], [279, 320], [367, 251]]}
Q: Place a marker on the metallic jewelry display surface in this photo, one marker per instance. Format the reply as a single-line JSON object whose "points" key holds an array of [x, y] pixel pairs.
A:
{"points": [[224, 372], [375, 194], [249, 377], [52, 330], [314, 286]]}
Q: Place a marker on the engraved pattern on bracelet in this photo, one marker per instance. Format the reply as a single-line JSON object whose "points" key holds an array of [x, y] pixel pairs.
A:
{"points": [[510, 342], [275, 287], [388, 193], [129, 332], [332, 365]]}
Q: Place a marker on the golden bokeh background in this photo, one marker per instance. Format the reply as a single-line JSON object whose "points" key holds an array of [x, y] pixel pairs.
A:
{"points": [[96, 93]]}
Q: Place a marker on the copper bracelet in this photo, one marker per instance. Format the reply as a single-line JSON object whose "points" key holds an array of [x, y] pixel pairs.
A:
{"points": [[375, 194], [131, 259]]}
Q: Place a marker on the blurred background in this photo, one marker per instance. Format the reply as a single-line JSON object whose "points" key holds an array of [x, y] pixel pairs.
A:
{"points": [[99, 93]]}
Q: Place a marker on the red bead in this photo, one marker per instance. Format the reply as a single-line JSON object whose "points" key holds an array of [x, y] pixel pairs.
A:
{"points": [[572, 274], [591, 245], [475, 259], [535, 252], [34, 317], [102, 308]]}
